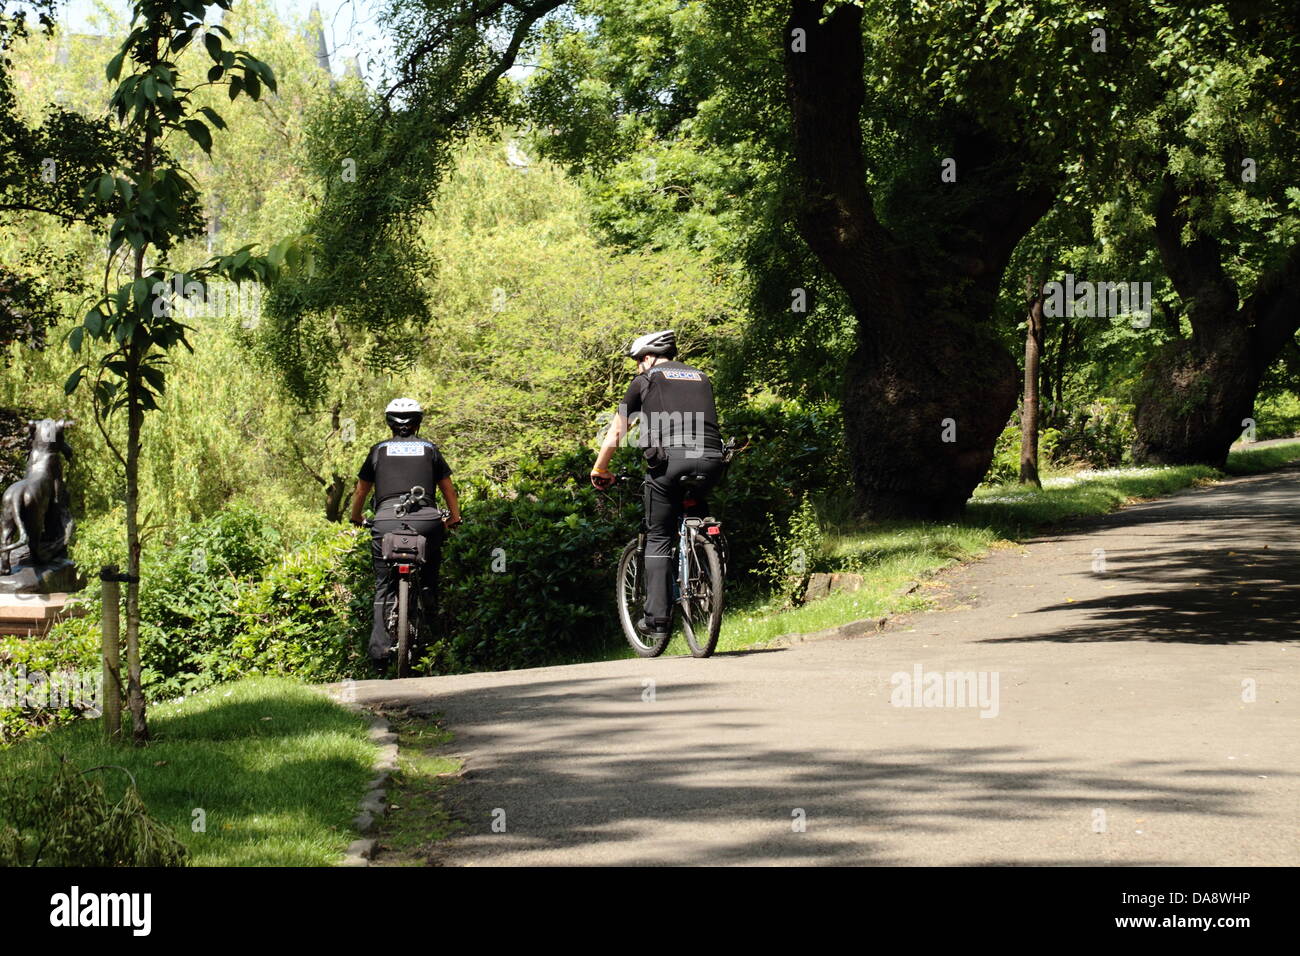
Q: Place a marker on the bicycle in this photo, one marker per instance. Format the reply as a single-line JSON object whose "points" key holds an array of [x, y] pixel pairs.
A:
{"points": [[404, 551], [698, 585]]}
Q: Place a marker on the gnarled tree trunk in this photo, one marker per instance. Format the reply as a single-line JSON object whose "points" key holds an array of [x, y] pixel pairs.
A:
{"points": [[929, 387], [1197, 391]]}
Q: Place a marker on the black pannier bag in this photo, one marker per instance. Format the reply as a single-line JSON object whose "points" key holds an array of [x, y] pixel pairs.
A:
{"points": [[397, 546]]}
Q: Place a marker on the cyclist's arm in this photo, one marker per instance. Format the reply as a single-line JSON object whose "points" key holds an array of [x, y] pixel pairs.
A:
{"points": [[617, 429], [453, 504], [359, 499]]}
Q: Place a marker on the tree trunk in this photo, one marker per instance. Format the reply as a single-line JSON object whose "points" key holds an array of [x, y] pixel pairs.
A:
{"points": [[1029, 407], [134, 423], [1062, 363], [929, 388], [922, 414], [337, 498], [1196, 392], [135, 688], [1193, 399]]}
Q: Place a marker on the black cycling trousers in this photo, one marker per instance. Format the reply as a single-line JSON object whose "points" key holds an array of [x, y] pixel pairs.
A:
{"points": [[664, 508], [425, 522]]}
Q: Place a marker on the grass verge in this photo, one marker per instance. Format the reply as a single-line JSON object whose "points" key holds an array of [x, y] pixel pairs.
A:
{"points": [[272, 769], [417, 817]]}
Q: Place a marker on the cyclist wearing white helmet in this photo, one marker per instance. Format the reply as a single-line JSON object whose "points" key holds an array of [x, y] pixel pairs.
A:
{"points": [[391, 469], [672, 405]]}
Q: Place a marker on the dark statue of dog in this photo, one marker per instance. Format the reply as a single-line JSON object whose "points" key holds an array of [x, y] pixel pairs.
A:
{"points": [[35, 514]]}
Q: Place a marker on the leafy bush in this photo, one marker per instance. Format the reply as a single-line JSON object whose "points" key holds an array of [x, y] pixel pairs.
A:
{"points": [[1005, 466], [189, 596], [795, 450], [1099, 434], [1277, 416], [529, 578], [309, 615], [50, 680]]}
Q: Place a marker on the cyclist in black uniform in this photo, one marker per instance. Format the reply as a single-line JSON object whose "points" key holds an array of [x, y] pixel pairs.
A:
{"points": [[672, 404], [392, 468]]}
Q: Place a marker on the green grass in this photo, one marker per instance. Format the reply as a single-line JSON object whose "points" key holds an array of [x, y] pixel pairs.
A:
{"points": [[1250, 461], [277, 769], [417, 817]]}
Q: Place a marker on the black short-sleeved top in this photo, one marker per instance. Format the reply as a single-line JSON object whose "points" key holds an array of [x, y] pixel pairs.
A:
{"points": [[674, 405], [397, 465]]}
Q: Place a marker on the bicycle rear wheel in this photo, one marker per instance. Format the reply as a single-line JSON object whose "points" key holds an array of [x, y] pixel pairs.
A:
{"points": [[701, 601], [403, 627], [630, 595]]}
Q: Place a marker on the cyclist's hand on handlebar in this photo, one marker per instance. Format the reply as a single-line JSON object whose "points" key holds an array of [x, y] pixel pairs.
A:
{"points": [[451, 521], [602, 478]]}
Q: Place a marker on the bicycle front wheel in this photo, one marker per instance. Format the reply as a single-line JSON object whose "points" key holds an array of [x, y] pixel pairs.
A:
{"points": [[630, 595], [701, 601]]}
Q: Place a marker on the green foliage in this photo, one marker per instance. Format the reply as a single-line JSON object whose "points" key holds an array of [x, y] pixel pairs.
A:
{"points": [[791, 449], [1005, 466], [1099, 434], [309, 615], [555, 593], [192, 587], [156, 203], [1278, 417], [48, 681], [65, 817], [796, 551]]}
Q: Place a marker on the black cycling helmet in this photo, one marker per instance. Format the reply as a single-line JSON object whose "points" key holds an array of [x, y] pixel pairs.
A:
{"points": [[404, 416], [655, 343]]}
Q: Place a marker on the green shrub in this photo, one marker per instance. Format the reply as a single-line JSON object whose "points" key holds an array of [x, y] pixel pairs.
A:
{"points": [[794, 450], [797, 550], [1005, 466], [309, 615], [1277, 416], [50, 680], [529, 578], [189, 594], [1099, 434]]}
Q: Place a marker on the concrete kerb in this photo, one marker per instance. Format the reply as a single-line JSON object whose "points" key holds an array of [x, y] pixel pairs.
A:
{"points": [[374, 804]]}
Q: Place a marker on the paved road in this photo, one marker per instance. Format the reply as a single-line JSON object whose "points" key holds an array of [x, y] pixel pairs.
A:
{"points": [[1121, 733]]}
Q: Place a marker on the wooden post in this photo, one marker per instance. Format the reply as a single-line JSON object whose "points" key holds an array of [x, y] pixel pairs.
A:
{"points": [[112, 689]]}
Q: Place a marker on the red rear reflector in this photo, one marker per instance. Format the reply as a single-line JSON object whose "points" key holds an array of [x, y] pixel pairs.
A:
{"points": [[714, 529], [689, 502], [403, 569]]}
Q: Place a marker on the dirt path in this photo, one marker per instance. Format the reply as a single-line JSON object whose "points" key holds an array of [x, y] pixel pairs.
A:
{"points": [[1123, 728]]}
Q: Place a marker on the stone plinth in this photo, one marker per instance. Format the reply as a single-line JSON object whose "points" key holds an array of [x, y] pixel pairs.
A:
{"points": [[31, 615]]}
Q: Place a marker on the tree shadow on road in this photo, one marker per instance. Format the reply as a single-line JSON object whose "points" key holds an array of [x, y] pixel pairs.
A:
{"points": [[1218, 567], [584, 766]]}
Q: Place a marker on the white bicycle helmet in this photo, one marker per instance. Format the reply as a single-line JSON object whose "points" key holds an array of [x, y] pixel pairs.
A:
{"points": [[654, 343], [404, 415]]}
